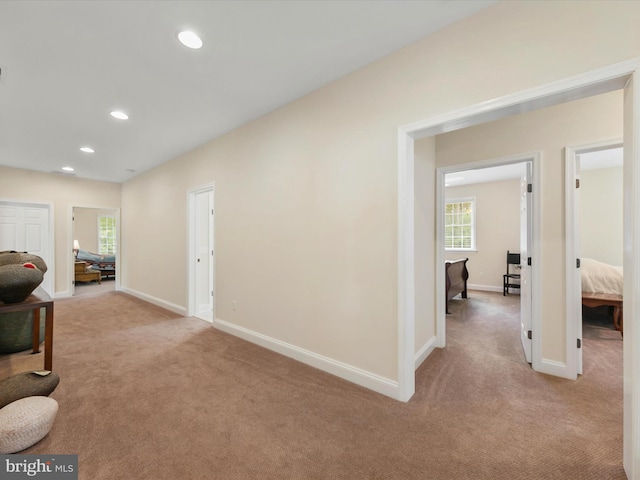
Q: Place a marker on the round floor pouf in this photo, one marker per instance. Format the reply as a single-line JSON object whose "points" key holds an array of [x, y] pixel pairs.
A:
{"points": [[25, 422]]}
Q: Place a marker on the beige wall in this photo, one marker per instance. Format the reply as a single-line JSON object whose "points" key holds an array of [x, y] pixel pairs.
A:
{"points": [[306, 197], [548, 130], [85, 228], [497, 229], [63, 193], [601, 223]]}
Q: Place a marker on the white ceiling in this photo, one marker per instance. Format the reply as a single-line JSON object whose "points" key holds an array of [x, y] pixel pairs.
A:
{"points": [[601, 159], [482, 175], [67, 64]]}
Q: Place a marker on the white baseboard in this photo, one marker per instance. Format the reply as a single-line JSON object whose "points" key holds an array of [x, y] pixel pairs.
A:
{"points": [[63, 294], [155, 301], [425, 351], [369, 380]]}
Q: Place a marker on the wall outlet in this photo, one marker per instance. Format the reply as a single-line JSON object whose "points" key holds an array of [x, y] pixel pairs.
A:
{"points": [[235, 305]]}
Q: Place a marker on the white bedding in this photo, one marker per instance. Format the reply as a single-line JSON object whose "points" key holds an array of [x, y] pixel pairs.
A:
{"points": [[599, 277]]}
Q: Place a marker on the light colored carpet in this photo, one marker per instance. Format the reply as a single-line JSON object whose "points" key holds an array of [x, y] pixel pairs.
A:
{"points": [[146, 394], [107, 284]]}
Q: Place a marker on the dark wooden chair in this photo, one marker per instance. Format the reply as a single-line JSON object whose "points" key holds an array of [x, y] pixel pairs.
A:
{"points": [[511, 279]]}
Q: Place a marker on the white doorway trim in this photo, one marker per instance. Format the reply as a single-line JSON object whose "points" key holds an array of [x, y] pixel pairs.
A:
{"points": [[192, 250], [70, 259], [603, 80], [631, 263], [534, 157], [573, 301]]}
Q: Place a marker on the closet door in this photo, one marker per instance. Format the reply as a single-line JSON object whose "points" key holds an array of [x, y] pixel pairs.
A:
{"points": [[25, 228]]}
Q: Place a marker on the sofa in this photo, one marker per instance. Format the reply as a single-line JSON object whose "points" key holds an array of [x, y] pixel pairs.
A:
{"points": [[106, 264]]}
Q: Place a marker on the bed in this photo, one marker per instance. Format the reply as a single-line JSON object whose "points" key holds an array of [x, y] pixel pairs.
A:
{"points": [[602, 285], [456, 274], [105, 264]]}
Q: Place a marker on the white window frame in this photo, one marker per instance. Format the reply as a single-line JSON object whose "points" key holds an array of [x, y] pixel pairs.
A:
{"points": [[471, 200], [100, 237]]}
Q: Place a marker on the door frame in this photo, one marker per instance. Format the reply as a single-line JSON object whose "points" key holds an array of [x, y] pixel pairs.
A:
{"points": [[526, 252], [71, 259], [441, 172], [624, 75], [192, 253], [573, 301], [51, 266]]}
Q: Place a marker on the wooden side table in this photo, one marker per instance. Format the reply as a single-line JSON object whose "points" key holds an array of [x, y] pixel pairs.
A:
{"points": [[38, 299], [83, 273]]}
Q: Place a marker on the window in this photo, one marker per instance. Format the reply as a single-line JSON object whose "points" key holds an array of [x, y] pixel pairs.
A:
{"points": [[460, 224], [106, 234]]}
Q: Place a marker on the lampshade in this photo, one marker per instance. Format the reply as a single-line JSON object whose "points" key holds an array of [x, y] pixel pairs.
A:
{"points": [[76, 245]]}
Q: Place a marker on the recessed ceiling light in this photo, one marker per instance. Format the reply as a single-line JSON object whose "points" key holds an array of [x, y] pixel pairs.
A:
{"points": [[87, 149], [68, 169], [190, 39], [119, 115]]}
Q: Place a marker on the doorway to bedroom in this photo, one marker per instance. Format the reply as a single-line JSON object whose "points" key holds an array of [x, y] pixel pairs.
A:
{"points": [[594, 226], [616, 77], [546, 131], [94, 247], [488, 211]]}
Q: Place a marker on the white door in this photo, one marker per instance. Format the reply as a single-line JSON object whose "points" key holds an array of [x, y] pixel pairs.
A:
{"points": [[204, 288], [525, 267], [25, 228]]}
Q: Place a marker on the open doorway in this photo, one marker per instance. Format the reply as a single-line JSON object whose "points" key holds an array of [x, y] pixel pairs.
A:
{"points": [[546, 131], [594, 226], [497, 202], [608, 79], [95, 248]]}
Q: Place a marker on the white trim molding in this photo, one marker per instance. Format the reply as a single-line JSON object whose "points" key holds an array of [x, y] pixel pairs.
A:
{"points": [[425, 351], [406, 268], [631, 253], [70, 259], [535, 159], [180, 310], [602, 80], [347, 372], [573, 303]]}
